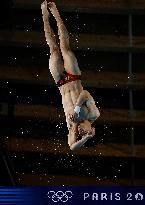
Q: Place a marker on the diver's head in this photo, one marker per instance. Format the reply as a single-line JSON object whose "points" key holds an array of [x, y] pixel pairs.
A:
{"points": [[84, 128]]}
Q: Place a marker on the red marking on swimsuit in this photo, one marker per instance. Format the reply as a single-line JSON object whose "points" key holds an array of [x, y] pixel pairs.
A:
{"points": [[68, 77]]}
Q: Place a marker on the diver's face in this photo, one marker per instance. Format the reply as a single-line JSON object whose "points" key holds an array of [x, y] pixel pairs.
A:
{"points": [[84, 128], [81, 131]]}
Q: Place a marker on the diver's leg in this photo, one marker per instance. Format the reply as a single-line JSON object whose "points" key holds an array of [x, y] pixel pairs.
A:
{"points": [[70, 61], [56, 64], [55, 61]]}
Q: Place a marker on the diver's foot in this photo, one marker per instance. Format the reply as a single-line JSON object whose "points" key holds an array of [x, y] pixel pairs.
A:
{"points": [[52, 7]]}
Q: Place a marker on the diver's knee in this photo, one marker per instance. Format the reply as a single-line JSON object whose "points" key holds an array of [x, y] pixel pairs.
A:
{"points": [[98, 113]]}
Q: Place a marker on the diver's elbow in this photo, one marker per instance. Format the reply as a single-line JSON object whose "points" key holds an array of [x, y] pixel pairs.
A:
{"points": [[74, 147], [97, 113]]}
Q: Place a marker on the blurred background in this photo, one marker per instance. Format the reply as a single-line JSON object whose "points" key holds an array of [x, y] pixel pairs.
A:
{"points": [[108, 38]]}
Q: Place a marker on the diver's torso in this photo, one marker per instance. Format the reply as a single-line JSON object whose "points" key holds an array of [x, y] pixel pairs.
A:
{"points": [[70, 93]]}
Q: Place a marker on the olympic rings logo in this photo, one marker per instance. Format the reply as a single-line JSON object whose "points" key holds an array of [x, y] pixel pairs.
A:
{"points": [[60, 196]]}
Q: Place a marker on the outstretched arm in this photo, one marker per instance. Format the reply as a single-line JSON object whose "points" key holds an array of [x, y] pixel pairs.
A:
{"points": [[77, 145]]}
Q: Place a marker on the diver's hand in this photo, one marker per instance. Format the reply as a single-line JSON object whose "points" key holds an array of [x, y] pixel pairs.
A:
{"points": [[73, 117]]}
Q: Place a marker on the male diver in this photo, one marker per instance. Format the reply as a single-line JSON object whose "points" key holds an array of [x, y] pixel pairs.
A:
{"points": [[79, 106]]}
